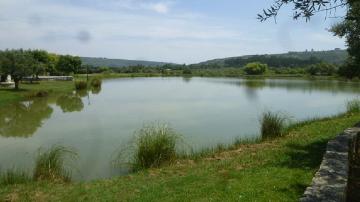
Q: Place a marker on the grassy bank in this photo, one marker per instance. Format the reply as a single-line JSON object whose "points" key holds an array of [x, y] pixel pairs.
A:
{"points": [[27, 90], [273, 170]]}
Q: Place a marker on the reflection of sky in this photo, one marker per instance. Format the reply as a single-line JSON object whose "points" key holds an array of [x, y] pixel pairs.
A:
{"points": [[205, 111]]}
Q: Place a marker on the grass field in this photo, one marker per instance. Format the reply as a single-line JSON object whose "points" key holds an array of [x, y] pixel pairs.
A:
{"points": [[273, 170], [26, 90]]}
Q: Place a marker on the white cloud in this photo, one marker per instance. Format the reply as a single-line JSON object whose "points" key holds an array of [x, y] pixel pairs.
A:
{"points": [[160, 7], [133, 29]]}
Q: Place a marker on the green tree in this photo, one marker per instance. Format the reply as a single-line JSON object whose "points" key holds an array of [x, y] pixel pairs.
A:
{"points": [[348, 28], [41, 62], [255, 68], [53, 60], [301, 8], [323, 68], [17, 63], [68, 64], [187, 71]]}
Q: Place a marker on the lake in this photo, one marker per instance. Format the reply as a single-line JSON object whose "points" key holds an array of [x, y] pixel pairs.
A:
{"points": [[205, 111]]}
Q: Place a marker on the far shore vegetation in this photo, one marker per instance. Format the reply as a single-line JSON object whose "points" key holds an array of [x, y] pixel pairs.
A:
{"points": [[25, 67]]}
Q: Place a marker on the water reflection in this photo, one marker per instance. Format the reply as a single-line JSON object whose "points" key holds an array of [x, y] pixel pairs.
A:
{"points": [[96, 90], [82, 93], [70, 103], [186, 79], [24, 118], [205, 111], [333, 86]]}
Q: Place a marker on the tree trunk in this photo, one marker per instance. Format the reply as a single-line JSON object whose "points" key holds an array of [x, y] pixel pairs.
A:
{"points": [[16, 81]]}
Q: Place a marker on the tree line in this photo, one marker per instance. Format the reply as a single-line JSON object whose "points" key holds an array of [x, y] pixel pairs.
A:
{"points": [[32, 63]]}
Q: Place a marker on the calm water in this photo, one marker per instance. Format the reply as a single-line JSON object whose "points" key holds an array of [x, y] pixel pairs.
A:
{"points": [[205, 111]]}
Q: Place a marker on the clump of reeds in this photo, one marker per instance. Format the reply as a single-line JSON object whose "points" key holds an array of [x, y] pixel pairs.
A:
{"points": [[96, 83], [14, 176], [50, 164], [154, 145], [80, 85], [353, 106], [272, 125]]}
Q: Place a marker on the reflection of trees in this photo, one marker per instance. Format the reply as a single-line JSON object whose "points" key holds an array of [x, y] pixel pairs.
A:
{"points": [[254, 84], [251, 88], [70, 103], [186, 79], [82, 93], [24, 118], [96, 90], [296, 84]]}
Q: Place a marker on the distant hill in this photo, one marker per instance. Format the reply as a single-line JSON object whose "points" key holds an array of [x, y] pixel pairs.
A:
{"points": [[290, 59], [105, 62]]}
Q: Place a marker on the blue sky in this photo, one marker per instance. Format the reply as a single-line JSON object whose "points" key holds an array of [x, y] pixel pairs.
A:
{"points": [[181, 31]]}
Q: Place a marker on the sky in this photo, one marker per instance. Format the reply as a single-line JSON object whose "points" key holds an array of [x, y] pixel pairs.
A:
{"points": [[179, 31]]}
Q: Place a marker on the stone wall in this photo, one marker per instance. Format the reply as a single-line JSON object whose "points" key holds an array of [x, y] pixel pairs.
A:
{"points": [[330, 182]]}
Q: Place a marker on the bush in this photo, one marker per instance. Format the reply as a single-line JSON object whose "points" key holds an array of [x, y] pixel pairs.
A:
{"points": [[80, 85], [255, 68], [350, 69], [187, 71], [96, 83], [40, 93], [353, 106], [322, 68], [272, 125], [154, 145], [49, 164], [13, 176]]}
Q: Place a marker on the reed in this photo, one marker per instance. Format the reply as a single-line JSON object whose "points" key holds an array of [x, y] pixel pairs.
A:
{"points": [[272, 125], [14, 176], [50, 164]]}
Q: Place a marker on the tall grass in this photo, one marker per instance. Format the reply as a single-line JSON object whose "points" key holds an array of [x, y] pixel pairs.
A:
{"points": [[272, 125], [14, 176], [96, 83], [80, 85], [155, 144], [353, 106], [50, 164]]}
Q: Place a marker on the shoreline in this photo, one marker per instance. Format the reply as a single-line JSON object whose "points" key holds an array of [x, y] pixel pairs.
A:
{"points": [[309, 136]]}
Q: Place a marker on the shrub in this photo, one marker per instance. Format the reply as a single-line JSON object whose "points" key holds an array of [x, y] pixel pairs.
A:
{"points": [[40, 93], [154, 145], [321, 69], [255, 68], [272, 125], [187, 71], [80, 85], [353, 106], [350, 69], [13, 176], [49, 164], [96, 83]]}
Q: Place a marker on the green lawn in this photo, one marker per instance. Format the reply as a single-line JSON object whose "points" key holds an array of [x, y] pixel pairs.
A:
{"points": [[277, 170], [8, 95]]}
